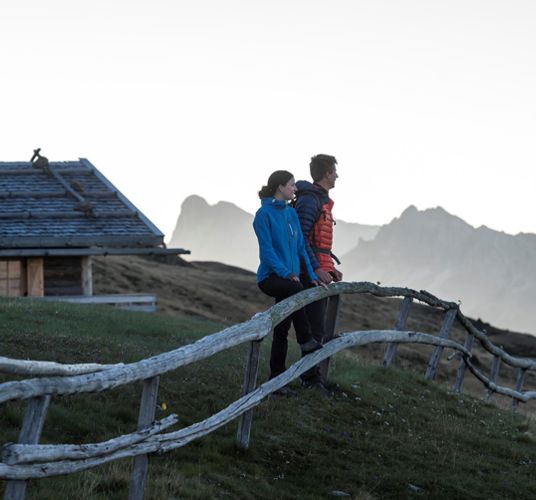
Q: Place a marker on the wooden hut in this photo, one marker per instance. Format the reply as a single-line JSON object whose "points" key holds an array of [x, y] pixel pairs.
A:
{"points": [[54, 216]]}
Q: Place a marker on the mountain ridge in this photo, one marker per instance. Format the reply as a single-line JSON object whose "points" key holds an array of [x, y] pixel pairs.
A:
{"points": [[491, 272], [202, 228]]}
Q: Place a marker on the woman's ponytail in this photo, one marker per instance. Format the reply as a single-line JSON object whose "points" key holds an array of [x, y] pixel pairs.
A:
{"points": [[278, 178]]}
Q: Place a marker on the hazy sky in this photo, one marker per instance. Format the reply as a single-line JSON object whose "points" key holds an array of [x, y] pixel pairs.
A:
{"points": [[422, 102]]}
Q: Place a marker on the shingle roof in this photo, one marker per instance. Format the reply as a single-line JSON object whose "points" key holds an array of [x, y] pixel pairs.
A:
{"points": [[69, 204]]}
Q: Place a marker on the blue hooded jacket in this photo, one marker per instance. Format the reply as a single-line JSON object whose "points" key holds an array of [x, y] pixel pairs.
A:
{"points": [[281, 244]]}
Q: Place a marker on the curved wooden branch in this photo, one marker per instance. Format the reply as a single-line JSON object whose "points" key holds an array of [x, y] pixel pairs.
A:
{"points": [[166, 442], [492, 386], [279, 310], [13, 454], [49, 368], [526, 363], [254, 329]]}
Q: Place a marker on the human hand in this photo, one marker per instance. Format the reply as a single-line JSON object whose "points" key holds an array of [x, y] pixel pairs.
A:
{"points": [[294, 278], [336, 274], [323, 276], [319, 283]]}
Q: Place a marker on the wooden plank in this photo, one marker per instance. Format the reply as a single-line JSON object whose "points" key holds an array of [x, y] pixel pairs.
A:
{"points": [[495, 367], [105, 299], [35, 171], [56, 252], [24, 278], [3, 269], [13, 454], [460, 374], [14, 278], [73, 214], [63, 275], [35, 277], [13, 269], [57, 175], [131, 302], [33, 368], [87, 276], [55, 194], [400, 325], [140, 464], [450, 316], [10, 278], [250, 382], [32, 426], [332, 319], [32, 194], [519, 385], [22, 242]]}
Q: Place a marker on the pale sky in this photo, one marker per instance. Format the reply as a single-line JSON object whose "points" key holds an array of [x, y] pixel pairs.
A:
{"points": [[422, 102]]}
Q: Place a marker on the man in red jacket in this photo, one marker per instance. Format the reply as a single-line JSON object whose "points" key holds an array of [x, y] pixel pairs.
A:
{"points": [[314, 207]]}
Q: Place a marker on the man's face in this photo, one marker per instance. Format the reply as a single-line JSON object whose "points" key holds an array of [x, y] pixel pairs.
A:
{"points": [[331, 177]]}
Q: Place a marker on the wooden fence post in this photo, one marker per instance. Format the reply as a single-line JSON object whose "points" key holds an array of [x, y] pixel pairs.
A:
{"points": [[519, 385], [450, 316], [400, 325], [140, 464], [250, 382], [32, 425], [495, 366], [460, 374], [331, 320]]}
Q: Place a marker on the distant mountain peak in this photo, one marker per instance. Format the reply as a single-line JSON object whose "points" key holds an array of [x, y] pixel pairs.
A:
{"points": [[227, 205], [412, 215], [409, 212], [491, 272], [413, 211], [194, 201]]}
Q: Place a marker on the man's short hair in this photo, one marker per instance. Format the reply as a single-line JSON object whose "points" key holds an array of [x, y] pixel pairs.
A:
{"points": [[321, 165]]}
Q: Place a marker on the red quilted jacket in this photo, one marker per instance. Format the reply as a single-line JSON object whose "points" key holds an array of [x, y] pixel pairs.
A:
{"points": [[321, 237]]}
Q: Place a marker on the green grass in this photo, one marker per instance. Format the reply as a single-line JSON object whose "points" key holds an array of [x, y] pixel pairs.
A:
{"points": [[383, 434]]}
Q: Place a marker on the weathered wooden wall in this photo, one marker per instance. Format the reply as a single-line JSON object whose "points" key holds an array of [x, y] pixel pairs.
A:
{"points": [[63, 276], [11, 278]]}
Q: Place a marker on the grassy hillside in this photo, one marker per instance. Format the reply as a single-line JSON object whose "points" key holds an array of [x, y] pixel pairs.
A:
{"points": [[229, 295], [382, 434]]}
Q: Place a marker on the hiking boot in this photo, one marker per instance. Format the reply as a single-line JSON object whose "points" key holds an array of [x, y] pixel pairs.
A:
{"points": [[310, 346]]}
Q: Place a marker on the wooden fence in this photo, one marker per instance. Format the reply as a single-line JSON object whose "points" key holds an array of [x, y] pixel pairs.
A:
{"points": [[29, 460], [145, 302]]}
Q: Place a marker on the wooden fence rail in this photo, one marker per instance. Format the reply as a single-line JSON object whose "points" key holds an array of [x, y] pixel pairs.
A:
{"points": [[29, 460], [161, 443]]}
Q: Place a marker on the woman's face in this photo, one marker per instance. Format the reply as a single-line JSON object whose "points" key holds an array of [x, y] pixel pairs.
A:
{"points": [[288, 190]]}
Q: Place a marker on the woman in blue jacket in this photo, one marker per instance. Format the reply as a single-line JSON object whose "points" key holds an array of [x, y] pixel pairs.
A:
{"points": [[281, 249]]}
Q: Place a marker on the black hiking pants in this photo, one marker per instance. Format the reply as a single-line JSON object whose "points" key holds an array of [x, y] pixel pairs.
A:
{"points": [[280, 289], [316, 316]]}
